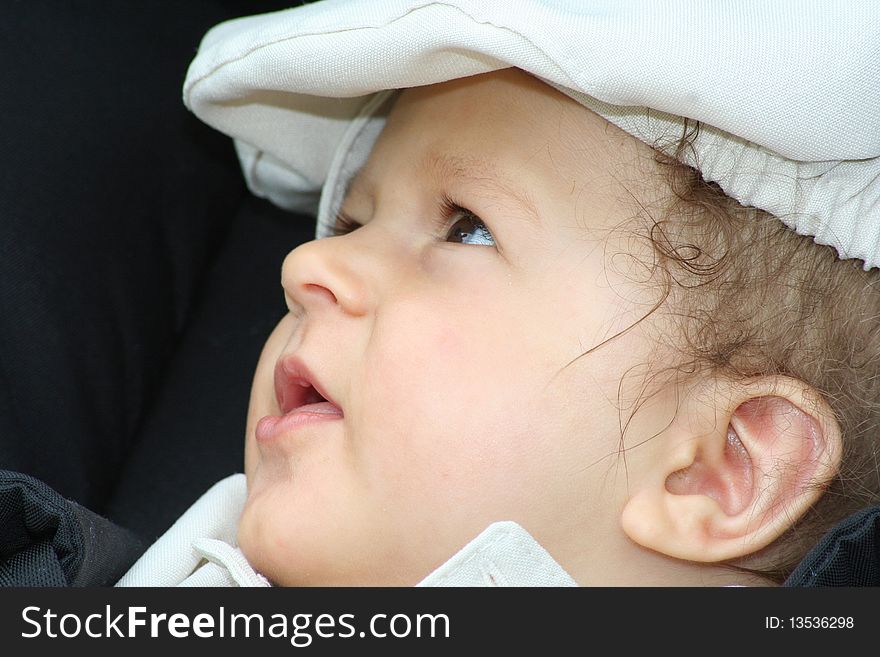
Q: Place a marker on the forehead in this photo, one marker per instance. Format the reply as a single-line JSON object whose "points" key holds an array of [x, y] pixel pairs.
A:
{"points": [[505, 128]]}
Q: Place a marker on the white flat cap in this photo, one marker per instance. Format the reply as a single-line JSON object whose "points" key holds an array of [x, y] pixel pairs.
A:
{"points": [[788, 91]]}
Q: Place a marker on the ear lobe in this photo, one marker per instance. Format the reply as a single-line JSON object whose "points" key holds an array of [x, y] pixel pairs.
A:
{"points": [[718, 496]]}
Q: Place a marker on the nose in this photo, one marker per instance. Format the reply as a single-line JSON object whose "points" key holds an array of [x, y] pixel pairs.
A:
{"points": [[325, 273]]}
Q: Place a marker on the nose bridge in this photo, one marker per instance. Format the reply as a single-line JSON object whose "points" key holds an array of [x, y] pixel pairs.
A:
{"points": [[332, 270]]}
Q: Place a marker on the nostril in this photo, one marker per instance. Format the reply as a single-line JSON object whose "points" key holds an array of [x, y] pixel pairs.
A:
{"points": [[320, 290]]}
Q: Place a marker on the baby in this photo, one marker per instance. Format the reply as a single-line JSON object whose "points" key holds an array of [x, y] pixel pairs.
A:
{"points": [[524, 313], [482, 329]]}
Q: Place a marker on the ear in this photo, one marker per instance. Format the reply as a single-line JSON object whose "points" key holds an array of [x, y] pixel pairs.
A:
{"points": [[733, 474]]}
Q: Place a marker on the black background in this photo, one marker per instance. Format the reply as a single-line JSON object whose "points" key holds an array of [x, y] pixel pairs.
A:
{"points": [[138, 277]]}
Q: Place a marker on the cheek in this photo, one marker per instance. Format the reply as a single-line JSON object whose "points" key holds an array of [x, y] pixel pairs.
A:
{"points": [[443, 406], [431, 364]]}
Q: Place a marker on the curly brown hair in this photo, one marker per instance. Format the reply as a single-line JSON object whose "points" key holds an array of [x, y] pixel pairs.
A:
{"points": [[750, 297]]}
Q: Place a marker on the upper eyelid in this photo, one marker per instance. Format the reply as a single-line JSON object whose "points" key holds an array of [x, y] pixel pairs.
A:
{"points": [[348, 224], [446, 204], [333, 229], [342, 215]]}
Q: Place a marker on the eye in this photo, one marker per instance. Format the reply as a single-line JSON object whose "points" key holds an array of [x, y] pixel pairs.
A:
{"points": [[343, 225], [462, 225], [465, 227]]}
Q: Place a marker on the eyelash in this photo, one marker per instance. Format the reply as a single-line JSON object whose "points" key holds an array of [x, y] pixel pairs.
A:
{"points": [[343, 225], [449, 208]]}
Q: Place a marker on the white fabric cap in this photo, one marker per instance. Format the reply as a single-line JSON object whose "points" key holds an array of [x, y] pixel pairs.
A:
{"points": [[788, 91]]}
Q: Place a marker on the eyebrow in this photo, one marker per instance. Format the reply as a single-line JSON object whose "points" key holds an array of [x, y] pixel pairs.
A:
{"points": [[467, 169]]}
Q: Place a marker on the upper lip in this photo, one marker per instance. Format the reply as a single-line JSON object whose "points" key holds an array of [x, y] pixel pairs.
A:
{"points": [[296, 385]]}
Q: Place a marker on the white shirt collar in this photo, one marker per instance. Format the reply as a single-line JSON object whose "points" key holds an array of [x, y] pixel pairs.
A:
{"points": [[504, 554]]}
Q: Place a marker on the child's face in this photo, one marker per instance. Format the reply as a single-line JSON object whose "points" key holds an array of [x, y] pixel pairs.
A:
{"points": [[448, 357]]}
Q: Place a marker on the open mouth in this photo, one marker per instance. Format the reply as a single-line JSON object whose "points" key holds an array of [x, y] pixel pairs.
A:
{"points": [[307, 396], [297, 389], [302, 401]]}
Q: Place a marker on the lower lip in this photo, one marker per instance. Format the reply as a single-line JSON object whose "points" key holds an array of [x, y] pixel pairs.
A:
{"points": [[272, 427]]}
